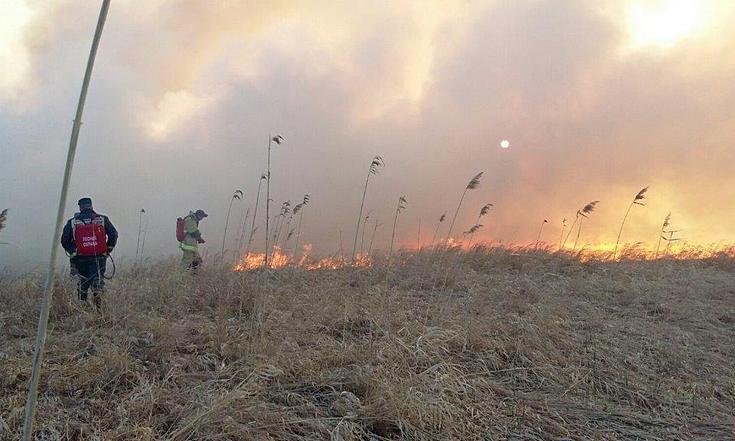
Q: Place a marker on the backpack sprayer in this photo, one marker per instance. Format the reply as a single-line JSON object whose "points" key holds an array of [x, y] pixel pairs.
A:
{"points": [[91, 240]]}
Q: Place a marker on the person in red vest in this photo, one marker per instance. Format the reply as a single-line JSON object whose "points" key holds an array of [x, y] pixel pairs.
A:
{"points": [[88, 238]]}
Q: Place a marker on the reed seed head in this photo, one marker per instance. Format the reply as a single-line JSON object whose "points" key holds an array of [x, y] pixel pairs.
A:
{"points": [[474, 182], [640, 196], [485, 209], [473, 229], [667, 221], [588, 209], [402, 202], [375, 164]]}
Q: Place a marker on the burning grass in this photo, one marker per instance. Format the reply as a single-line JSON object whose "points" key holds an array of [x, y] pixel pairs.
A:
{"points": [[280, 259], [491, 343]]}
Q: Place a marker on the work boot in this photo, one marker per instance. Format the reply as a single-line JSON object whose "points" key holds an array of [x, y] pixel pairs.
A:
{"points": [[97, 298], [84, 302]]}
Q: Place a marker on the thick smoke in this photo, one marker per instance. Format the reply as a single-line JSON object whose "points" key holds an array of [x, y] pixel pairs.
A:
{"points": [[185, 94]]}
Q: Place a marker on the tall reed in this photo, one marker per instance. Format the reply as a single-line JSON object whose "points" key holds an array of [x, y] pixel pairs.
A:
{"points": [[263, 177], [140, 228], [243, 230], [471, 232], [30, 409], [285, 210], [290, 232], [236, 195], [288, 237], [284, 228], [278, 140], [581, 213], [400, 207], [472, 185], [373, 169], [540, 230], [636, 201], [666, 223], [669, 240], [142, 240], [372, 237], [418, 238], [563, 227], [299, 209], [362, 233], [436, 230]]}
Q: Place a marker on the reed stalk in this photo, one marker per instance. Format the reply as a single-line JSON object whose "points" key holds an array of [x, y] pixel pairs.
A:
{"points": [[540, 230], [30, 408], [666, 223], [473, 184], [255, 214], [400, 207], [636, 201], [278, 139], [373, 169], [237, 195]]}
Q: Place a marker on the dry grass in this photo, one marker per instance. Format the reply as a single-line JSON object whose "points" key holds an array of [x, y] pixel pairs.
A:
{"points": [[519, 344]]}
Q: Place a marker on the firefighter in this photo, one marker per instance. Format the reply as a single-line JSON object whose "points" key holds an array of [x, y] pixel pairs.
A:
{"points": [[88, 238], [192, 238]]}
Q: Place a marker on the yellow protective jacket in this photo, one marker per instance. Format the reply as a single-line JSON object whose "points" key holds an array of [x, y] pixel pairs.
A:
{"points": [[191, 234]]}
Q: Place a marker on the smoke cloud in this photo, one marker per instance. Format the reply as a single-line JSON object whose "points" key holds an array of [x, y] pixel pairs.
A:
{"points": [[185, 94]]}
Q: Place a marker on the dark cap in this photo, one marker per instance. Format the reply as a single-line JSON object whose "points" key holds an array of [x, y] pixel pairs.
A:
{"points": [[200, 213], [85, 202]]}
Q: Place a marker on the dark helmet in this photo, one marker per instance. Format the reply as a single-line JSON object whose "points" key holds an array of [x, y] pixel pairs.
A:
{"points": [[85, 203]]}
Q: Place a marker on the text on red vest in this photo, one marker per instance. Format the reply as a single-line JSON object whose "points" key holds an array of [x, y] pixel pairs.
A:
{"points": [[90, 237]]}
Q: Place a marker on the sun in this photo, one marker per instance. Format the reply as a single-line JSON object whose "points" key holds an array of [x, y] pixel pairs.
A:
{"points": [[664, 22]]}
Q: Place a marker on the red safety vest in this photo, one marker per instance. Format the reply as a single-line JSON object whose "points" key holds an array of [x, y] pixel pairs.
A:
{"points": [[90, 238]]}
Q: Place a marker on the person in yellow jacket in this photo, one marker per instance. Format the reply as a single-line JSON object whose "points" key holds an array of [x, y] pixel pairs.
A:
{"points": [[192, 238]]}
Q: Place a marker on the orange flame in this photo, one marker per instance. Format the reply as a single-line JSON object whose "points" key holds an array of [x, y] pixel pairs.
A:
{"points": [[599, 252], [279, 259]]}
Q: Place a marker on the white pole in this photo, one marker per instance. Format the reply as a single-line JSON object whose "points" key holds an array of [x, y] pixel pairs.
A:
{"points": [[47, 291]]}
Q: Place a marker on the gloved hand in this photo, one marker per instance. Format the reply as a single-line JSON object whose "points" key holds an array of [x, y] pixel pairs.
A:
{"points": [[200, 240]]}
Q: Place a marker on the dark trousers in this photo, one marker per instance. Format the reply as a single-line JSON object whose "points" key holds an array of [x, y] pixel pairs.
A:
{"points": [[90, 273]]}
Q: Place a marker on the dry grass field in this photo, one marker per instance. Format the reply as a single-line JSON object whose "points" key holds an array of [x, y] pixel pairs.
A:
{"points": [[508, 344]]}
